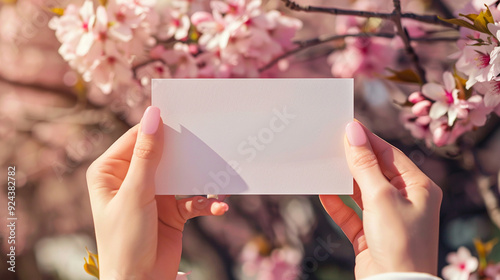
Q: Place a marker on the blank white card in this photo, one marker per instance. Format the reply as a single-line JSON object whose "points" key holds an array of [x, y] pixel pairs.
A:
{"points": [[253, 136]]}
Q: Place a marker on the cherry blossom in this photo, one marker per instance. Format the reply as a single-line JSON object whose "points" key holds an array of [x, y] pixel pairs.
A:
{"points": [[72, 26], [108, 71], [477, 63], [446, 99], [418, 126], [493, 271], [492, 94], [282, 263], [175, 24], [363, 56], [478, 112], [461, 265]]}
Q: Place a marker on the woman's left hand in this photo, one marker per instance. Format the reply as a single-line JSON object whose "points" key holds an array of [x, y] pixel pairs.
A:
{"points": [[139, 234]]}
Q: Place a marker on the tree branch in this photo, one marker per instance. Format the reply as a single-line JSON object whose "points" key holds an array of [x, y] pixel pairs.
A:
{"points": [[403, 34], [302, 45], [334, 11], [443, 8], [490, 200]]}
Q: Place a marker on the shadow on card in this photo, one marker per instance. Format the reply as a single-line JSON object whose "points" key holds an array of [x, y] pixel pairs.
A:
{"points": [[194, 167]]}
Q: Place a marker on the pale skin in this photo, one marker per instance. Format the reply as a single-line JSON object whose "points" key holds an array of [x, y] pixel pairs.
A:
{"points": [[400, 227], [139, 235]]}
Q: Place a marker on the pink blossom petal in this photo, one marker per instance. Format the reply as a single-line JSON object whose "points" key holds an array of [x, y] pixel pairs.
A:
{"points": [[452, 116], [85, 44], [87, 10], [441, 136], [101, 19], [423, 120], [201, 16], [438, 109], [492, 99], [416, 97], [433, 91], [421, 108], [219, 6], [449, 81], [471, 264], [121, 32]]}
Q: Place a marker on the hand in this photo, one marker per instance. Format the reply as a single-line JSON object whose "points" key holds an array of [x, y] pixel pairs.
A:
{"points": [[399, 231], [139, 235]]}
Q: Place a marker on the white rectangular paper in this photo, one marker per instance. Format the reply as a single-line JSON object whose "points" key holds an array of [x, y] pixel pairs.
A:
{"points": [[253, 136]]}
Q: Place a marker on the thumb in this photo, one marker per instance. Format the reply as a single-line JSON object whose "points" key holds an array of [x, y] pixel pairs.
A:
{"points": [[364, 164], [148, 149]]}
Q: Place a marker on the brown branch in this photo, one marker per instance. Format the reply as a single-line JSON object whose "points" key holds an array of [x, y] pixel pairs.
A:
{"points": [[442, 8], [334, 11], [64, 92], [403, 34], [60, 91], [434, 39], [302, 45], [490, 200]]}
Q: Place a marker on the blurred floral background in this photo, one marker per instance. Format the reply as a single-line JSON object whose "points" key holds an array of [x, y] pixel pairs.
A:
{"points": [[75, 75]]}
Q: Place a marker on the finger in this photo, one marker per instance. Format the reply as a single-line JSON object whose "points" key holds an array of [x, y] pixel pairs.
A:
{"points": [[201, 206], [147, 152], [395, 165], [114, 161], [122, 148], [347, 219], [363, 163]]}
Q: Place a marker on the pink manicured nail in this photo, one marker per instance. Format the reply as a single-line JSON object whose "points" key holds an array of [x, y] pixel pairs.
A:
{"points": [[355, 134], [150, 120], [225, 207]]}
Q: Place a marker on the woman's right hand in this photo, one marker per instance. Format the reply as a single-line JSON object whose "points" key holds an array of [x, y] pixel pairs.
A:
{"points": [[400, 226]]}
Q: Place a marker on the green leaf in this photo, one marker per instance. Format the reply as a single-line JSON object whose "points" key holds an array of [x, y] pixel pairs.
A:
{"points": [[92, 270], [459, 22], [463, 92], [472, 17], [405, 76], [92, 265], [482, 20], [193, 34], [56, 10]]}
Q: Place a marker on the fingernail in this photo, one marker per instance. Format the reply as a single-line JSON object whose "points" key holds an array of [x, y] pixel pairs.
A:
{"points": [[355, 134], [225, 207], [150, 120]]}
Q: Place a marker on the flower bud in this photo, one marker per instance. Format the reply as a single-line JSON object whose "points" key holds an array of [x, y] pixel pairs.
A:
{"points": [[421, 108]]}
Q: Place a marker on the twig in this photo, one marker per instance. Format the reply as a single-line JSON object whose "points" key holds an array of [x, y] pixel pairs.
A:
{"points": [[490, 200], [334, 11], [40, 87], [443, 8], [403, 33], [434, 39], [302, 45]]}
